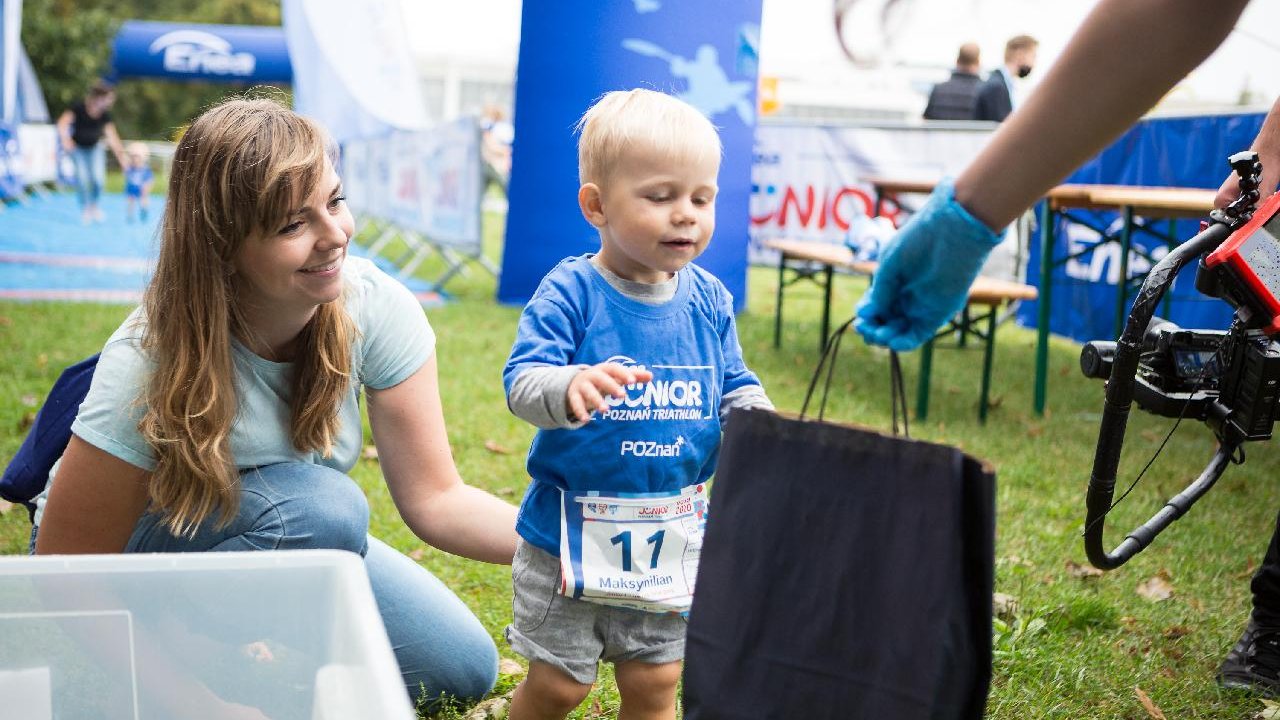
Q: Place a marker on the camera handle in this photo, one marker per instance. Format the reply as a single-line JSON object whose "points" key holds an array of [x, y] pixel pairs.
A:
{"points": [[1120, 386], [1115, 414]]}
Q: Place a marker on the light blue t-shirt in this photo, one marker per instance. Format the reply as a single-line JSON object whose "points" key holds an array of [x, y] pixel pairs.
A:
{"points": [[665, 435], [394, 340]]}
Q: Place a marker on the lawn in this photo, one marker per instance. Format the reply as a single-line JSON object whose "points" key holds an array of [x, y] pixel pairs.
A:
{"points": [[1069, 643]]}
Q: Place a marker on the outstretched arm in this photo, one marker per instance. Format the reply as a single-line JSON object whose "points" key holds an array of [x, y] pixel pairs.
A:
{"points": [[117, 147], [413, 449], [1099, 87], [1096, 90]]}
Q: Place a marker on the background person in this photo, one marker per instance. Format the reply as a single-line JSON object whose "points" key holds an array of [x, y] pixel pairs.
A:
{"points": [[138, 179], [1254, 662], [81, 129], [998, 96], [954, 98], [224, 413]]}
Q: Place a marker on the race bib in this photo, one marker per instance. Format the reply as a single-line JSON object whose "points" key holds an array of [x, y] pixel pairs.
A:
{"points": [[633, 550]]}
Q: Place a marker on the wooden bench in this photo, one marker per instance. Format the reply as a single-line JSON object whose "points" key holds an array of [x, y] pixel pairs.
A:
{"points": [[817, 261]]}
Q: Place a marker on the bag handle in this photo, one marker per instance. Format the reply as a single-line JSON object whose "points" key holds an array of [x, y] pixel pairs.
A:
{"points": [[897, 392]]}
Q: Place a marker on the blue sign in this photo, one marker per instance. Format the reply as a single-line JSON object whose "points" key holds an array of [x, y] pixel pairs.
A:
{"points": [[186, 51], [1159, 152], [10, 162], [571, 52]]}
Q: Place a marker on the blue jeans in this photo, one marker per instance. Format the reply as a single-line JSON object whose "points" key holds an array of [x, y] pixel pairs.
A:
{"points": [[440, 645], [91, 172]]}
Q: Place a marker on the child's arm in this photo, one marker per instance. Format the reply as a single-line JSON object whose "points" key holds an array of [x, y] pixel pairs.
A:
{"points": [[551, 397], [538, 396], [745, 397], [544, 386], [741, 388]]}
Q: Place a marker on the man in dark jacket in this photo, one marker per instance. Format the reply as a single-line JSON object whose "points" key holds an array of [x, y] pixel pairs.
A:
{"points": [[954, 99], [995, 97]]}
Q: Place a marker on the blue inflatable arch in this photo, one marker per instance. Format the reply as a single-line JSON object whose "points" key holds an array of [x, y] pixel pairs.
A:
{"points": [[210, 53]]}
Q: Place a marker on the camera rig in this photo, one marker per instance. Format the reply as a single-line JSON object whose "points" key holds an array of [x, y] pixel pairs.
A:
{"points": [[1228, 379]]}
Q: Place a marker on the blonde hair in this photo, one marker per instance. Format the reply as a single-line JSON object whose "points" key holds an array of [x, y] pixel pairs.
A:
{"points": [[624, 120], [237, 172], [138, 149]]}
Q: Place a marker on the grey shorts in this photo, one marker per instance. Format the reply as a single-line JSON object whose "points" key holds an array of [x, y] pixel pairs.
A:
{"points": [[575, 635]]}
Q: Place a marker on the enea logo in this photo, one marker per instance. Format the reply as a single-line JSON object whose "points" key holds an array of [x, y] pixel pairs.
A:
{"points": [[196, 51]]}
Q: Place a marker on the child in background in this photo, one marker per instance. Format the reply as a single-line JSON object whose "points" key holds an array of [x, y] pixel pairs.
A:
{"points": [[627, 360], [138, 180]]}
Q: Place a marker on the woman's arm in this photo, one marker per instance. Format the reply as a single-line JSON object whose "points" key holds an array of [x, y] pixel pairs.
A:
{"points": [[94, 503], [64, 130], [1121, 61], [113, 142], [413, 449]]}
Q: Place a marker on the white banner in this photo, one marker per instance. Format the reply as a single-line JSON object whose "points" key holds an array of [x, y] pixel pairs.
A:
{"points": [[429, 182], [352, 67], [809, 182], [38, 148]]}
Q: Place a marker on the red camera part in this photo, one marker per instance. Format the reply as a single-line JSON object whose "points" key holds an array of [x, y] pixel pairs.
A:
{"points": [[1250, 257]]}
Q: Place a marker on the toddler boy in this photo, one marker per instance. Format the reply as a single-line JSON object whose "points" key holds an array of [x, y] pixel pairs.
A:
{"points": [[627, 360]]}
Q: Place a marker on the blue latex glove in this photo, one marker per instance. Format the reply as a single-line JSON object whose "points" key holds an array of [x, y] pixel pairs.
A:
{"points": [[925, 273]]}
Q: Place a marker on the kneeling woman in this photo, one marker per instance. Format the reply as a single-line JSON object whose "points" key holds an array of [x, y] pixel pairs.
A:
{"points": [[224, 413]]}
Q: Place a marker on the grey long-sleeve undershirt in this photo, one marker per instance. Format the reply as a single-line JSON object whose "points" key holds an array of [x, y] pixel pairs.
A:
{"points": [[538, 394]]}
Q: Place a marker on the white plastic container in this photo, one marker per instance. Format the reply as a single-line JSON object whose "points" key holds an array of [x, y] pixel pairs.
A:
{"points": [[238, 636]]}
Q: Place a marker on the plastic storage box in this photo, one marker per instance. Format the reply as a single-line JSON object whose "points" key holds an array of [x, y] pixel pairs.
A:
{"points": [[243, 636]]}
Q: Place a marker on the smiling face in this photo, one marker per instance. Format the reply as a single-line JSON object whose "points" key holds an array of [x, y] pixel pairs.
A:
{"points": [[294, 268], [655, 211]]}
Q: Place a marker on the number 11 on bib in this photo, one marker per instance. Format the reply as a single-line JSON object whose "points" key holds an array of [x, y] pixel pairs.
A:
{"points": [[633, 550]]}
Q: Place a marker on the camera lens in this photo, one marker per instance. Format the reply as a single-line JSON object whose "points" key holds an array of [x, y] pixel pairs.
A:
{"points": [[1096, 359]]}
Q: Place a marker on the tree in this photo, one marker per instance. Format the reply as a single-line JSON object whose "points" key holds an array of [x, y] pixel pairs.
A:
{"points": [[70, 47]]}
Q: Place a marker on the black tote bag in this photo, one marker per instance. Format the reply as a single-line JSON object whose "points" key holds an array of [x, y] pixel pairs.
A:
{"points": [[845, 574]]}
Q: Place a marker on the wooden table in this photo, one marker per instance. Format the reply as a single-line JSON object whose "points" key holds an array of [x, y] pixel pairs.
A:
{"points": [[1130, 201], [819, 261], [887, 187]]}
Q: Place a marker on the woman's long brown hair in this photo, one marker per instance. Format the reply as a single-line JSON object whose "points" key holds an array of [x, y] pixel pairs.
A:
{"points": [[237, 172]]}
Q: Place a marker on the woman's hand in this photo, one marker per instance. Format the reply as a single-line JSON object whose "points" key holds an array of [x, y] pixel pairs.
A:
{"points": [[589, 388]]}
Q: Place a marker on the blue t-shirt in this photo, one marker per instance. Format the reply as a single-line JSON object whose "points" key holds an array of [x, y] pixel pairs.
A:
{"points": [[135, 178], [665, 435]]}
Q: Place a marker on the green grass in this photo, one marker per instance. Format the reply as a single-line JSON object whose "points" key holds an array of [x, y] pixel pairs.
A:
{"points": [[1070, 647]]}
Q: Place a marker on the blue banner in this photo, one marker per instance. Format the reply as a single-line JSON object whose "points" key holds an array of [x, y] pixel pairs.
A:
{"points": [[189, 51], [10, 162], [10, 53], [1162, 152], [573, 51]]}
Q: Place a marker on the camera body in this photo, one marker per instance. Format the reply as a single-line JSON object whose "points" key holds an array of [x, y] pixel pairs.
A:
{"points": [[1229, 379]]}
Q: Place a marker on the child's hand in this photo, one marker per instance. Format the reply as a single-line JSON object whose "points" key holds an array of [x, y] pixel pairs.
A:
{"points": [[589, 388]]}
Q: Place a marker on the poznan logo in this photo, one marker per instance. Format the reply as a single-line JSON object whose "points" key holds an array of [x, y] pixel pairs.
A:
{"points": [[196, 51], [648, 448]]}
